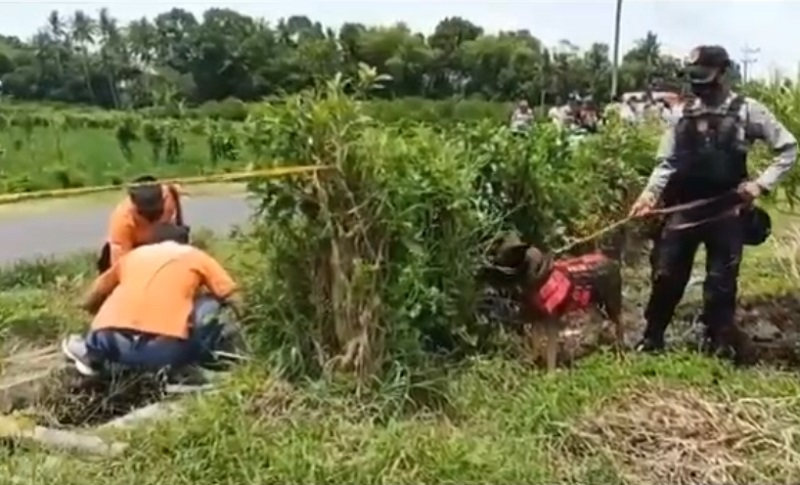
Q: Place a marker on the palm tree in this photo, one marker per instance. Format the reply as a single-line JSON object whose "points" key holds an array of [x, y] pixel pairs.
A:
{"points": [[58, 35], [83, 32], [109, 33], [142, 38]]}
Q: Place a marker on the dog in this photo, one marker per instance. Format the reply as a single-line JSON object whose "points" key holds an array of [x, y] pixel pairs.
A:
{"points": [[550, 289]]}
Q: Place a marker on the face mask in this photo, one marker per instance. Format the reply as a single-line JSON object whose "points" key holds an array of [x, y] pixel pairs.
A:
{"points": [[705, 91]]}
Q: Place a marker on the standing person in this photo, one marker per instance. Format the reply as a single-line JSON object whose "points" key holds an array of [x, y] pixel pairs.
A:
{"points": [[672, 109], [588, 116], [555, 113], [629, 111], [155, 308], [522, 117], [703, 156], [131, 223]]}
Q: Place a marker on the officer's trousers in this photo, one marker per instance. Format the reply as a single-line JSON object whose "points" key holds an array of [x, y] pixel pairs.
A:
{"points": [[672, 261]]}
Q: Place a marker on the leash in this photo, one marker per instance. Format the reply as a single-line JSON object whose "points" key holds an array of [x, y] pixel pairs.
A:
{"points": [[656, 212]]}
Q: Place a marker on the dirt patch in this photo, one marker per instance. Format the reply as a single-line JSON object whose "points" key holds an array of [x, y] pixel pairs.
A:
{"points": [[71, 400], [770, 325], [662, 435], [40, 384], [25, 376], [773, 324]]}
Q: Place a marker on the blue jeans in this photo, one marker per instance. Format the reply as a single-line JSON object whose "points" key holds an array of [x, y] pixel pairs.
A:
{"points": [[152, 352]]}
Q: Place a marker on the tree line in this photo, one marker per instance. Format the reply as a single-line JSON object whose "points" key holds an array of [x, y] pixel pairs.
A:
{"points": [[177, 57]]}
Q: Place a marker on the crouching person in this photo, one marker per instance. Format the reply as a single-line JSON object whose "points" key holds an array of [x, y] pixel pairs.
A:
{"points": [[151, 310], [131, 224]]}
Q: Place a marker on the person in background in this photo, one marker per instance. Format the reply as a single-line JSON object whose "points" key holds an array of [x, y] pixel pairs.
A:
{"points": [[155, 308], [562, 115], [671, 109], [588, 119], [130, 225], [703, 157], [628, 110], [522, 117]]}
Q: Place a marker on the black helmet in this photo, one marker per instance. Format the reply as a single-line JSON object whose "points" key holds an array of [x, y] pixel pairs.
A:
{"points": [[705, 62], [756, 226]]}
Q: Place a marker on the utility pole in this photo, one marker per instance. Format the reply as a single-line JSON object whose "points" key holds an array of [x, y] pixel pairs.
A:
{"points": [[615, 61], [748, 58]]}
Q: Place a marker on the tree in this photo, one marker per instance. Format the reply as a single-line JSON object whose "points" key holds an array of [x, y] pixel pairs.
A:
{"points": [[83, 36], [177, 57]]}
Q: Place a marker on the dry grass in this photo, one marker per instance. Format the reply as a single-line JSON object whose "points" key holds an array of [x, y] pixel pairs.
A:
{"points": [[72, 401], [680, 436]]}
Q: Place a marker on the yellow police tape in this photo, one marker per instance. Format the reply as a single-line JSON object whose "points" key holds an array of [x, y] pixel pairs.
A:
{"points": [[202, 179]]}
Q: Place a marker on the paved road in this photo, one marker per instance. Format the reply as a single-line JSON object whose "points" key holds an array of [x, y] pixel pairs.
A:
{"points": [[60, 233]]}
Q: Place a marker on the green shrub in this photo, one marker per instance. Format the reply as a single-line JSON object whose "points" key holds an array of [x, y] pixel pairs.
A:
{"points": [[371, 266]]}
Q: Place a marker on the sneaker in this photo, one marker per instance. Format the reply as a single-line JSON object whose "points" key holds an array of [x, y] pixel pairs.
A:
{"points": [[187, 376], [74, 347]]}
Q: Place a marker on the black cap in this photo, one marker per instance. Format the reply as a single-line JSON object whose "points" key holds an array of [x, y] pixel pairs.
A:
{"points": [[148, 200], [705, 62]]}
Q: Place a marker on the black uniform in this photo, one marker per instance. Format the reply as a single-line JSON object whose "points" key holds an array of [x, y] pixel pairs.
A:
{"points": [[704, 156], [711, 161]]}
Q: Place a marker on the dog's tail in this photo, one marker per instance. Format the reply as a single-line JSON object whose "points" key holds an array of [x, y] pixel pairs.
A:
{"points": [[613, 244]]}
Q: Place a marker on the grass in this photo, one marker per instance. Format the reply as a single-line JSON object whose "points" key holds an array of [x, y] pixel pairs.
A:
{"points": [[671, 419], [507, 425]]}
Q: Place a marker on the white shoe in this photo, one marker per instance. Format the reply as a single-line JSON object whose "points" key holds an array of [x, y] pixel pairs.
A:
{"points": [[74, 347]]}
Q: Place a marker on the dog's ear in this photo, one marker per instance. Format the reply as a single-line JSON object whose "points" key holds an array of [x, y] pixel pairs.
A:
{"points": [[504, 249], [498, 276], [538, 266], [512, 256]]}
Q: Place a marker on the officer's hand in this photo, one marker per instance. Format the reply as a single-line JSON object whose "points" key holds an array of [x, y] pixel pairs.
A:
{"points": [[749, 191], [643, 205]]}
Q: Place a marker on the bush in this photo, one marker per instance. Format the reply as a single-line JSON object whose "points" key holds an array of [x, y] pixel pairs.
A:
{"points": [[231, 109], [371, 262], [371, 266]]}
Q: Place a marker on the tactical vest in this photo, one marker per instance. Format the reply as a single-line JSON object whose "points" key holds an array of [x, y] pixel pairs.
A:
{"points": [[568, 287], [710, 157]]}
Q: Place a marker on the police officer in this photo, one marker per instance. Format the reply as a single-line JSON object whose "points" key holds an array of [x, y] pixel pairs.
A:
{"points": [[702, 157]]}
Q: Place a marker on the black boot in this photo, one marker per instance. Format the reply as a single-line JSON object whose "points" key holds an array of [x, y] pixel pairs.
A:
{"points": [[650, 345], [729, 344]]}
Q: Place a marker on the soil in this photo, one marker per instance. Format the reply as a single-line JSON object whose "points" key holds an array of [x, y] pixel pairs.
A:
{"points": [[24, 376], [42, 381], [770, 325], [41, 384], [73, 400]]}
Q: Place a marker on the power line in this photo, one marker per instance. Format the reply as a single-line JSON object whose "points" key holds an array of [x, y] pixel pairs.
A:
{"points": [[748, 58]]}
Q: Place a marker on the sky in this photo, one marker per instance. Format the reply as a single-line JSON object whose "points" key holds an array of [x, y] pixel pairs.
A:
{"points": [[768, 25]]}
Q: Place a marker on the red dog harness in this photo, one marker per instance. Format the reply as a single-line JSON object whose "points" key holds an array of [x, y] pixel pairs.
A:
{"points": [[567, 288]]}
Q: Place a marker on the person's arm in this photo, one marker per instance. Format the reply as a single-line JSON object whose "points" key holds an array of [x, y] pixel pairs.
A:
{"points": [[218, 281], [665, 167], [763, 125], [174, 207], [102, 286], [122, 235]]}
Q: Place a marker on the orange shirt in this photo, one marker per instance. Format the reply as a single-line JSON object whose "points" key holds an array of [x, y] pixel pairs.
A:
{"points": [[152, 288], [127, 229]]}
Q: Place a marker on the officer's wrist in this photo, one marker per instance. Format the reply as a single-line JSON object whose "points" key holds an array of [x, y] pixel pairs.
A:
{"points": [[762, 188], [649, 193]]}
